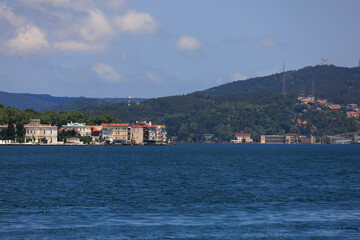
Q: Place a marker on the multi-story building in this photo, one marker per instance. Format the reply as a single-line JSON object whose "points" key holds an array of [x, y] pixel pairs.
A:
{"points": [[156, 134], [116, 132], [81, 128], [152, 134], [37, 132], [137, 135], [310, 139]]}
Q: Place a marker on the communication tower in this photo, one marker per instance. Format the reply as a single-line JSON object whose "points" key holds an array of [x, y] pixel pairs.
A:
{"points": [[129, 99]]}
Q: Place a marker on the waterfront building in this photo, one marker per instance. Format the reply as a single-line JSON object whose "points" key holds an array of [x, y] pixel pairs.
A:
{"points": [[242, 138], [339, 140], [95, 132], [309, 139], [272, 139], [116, 133], [137, 135], [81, 128], [152, 134], [40, 133], [290, 138], [156, 134]]}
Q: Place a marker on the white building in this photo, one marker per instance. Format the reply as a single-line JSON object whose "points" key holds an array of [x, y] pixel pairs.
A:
{"points": [[81, 128], [157, 133], [40, 133]]}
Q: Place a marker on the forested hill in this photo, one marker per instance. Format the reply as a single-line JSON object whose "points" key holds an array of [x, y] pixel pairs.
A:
{"points": [[41, 102], [33, 101], [337, 84]]}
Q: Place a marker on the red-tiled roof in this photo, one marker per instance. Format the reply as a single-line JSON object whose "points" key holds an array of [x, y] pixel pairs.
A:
{"points": [[6, 125], [109, 125], [94, 129], [137, 126], [157, 126], [120, 139]]}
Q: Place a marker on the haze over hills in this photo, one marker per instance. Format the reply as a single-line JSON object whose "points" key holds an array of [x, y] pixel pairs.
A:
{"points": [[42, 102]]}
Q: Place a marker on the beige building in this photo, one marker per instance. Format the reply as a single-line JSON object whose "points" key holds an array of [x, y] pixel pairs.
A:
{"points": [[116, 132], [40, 133], [137, 135]]}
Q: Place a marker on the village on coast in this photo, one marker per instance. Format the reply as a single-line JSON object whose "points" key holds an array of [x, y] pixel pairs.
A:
{"points": [[139, 133]]}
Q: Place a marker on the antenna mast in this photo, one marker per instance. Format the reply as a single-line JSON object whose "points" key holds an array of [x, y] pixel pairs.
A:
{"points": [[283, 82]]}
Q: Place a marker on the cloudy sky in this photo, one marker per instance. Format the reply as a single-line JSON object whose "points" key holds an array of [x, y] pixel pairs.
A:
{"points": [[115, 48]]}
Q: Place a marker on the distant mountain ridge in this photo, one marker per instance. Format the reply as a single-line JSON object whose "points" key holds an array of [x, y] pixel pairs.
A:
{"points": [[41, 102], [336, 84]]}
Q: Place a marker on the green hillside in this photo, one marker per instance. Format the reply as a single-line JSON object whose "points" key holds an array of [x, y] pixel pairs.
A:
{"points": [[337, 84], [255, 106]]}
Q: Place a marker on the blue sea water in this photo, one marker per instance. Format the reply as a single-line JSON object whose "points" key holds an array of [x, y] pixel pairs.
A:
{"points": [[188, 191]]}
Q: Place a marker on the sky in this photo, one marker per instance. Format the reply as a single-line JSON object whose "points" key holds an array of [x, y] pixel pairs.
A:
{"points": [[148, 49]]}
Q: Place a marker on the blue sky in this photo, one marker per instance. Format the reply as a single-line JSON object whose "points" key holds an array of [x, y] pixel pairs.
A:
{"points": [[115, 48]]}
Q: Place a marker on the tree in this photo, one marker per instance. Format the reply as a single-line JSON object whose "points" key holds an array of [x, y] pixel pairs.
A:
{"points": [[20, 130], [11, 133], [86, 139]]}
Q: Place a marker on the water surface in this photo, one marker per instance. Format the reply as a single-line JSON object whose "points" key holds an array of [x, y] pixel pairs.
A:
{"points": [[188, 191]]}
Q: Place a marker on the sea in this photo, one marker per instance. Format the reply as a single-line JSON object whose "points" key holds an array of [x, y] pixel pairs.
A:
{"points": [[187, 191]]}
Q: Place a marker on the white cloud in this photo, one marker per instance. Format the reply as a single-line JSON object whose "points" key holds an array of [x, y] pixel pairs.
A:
{"points": [[10, 16], [74, 46], [137, 23], [188, 43], [237, 76], [70, 26], [95, 27], [28, 39], [153, 77], [269, 43], [107, 73]]}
